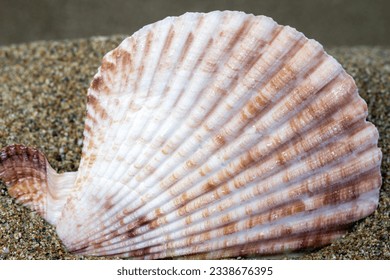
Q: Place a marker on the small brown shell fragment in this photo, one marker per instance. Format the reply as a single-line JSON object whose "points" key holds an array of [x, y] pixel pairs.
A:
{"points": [[210, 136]]}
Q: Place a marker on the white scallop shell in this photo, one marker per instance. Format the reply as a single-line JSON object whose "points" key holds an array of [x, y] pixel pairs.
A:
{"points": [[217, 134]]}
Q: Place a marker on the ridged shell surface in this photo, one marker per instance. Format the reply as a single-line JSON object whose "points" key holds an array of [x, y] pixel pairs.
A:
{"points": [[215, 135]]}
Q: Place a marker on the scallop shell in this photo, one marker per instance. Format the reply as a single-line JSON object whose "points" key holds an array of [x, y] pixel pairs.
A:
{"points": [[215, 135]]}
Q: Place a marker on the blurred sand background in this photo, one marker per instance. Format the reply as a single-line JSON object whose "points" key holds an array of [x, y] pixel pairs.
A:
{"points": [[331, 22]]}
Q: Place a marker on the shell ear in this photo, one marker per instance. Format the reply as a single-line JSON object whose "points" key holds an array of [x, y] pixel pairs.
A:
{"points": [[33, 182]]}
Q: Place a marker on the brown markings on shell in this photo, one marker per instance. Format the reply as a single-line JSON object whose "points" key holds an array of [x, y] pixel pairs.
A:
{"points": [[225, 219], [346, 192], [248, 210], [91, 160], [188, 241], [246, 160], [137, 223], [205, 236], [283, 211], [336, 196], [191, 164], [88, 130], [79, 250], [316, 111], [204, 170], [99, 110], [267, 247], [182, 210], [349, 89], [98, 84], [304, 188], [141, 68], [216, 195], [129, 227], [124, 65], [351, 189], [107, 66], [242, 30], [140, 252], [208, 186], [212, 67], [281, 158], [186, 47], [150, 169], [219, 140], [168, 42], [109, 202], [154, 223], [128, 233], [334, 151], [181, 200], [302, 145], [96, 113], [188, 220], [225, 189], [158, 212], [123, 56], [206, 213], [230, 228]]}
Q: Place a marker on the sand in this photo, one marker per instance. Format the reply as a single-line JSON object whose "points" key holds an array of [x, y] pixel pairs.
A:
{"points": [[43, 89]]}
